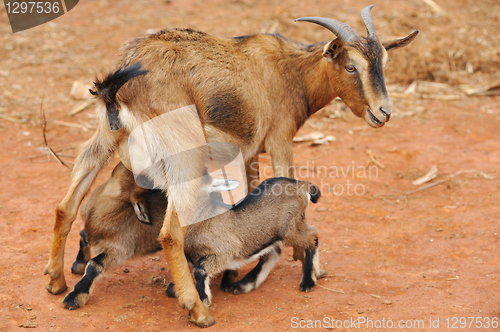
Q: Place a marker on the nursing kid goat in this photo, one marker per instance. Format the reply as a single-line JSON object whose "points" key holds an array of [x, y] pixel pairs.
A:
{"points": [[254, 91]]}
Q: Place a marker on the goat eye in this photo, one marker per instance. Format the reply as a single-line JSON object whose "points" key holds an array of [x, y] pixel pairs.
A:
{"points": [[350, 69]]}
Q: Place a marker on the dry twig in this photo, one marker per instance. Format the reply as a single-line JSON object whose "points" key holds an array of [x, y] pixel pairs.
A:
{"points": [[49, 149], [404, 196]]}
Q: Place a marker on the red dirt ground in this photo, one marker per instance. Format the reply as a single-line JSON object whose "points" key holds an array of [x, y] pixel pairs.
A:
{"points": [[430, 254]]}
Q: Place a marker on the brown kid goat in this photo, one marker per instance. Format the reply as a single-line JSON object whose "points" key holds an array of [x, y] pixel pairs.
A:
{"points": [[274, 212], [254, 91]]}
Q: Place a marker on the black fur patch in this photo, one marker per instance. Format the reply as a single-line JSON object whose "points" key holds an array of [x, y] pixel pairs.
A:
{"points": [[170, 292], [108, 88], [200, 274], [227, 280], [268, 244], [80, 257], [250, 278], [307, 283], [372, 51], [315, 193]]}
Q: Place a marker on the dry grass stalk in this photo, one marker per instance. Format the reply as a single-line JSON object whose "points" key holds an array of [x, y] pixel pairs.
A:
{"points": [[332, 290], [10, 118], [70, 124], [372, 158], [80, 107], [431, 174]]}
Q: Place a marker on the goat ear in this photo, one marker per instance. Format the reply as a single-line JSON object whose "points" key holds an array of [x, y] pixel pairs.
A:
{"points": [[333, 48], [223, 185], [398, 43], [142, 213]]}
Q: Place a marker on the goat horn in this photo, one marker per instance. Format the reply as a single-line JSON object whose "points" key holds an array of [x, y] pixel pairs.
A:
{"points": [[341, 30], [367, 18]]}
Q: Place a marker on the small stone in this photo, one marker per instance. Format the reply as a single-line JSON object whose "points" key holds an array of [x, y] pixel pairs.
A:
{"points": [[387, 302], [321, 209]]}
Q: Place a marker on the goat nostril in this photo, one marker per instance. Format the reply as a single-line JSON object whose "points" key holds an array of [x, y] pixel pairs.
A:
{"points": [[386, 112]]}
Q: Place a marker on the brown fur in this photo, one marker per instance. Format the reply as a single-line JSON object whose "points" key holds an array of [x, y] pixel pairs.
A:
{"points": [[273, 85]]}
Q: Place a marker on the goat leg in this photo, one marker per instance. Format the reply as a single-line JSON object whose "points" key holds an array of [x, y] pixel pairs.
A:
{"points": [[202, 280], [78, 297], [172, 238], [310, 267], [227, 279], [96, 153], [65, 215], [83, 255], [259, 273], [282, 159]]}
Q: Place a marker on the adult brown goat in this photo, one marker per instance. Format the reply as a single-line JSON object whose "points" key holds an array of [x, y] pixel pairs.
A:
{"points": [[255, 91]]}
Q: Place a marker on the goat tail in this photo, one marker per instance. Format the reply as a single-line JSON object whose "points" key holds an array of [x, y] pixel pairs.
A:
{"points": [[107, 88], [314, 192]]}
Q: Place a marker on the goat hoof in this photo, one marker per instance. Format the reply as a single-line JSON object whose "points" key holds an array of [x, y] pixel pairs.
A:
{"points": [[55, 289], [236, 287], [306, 286], [78, 268], [321, 273], [57, 283], [170, 292], [242, 287], [72, 301], [205, 322], [226, 288]]}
